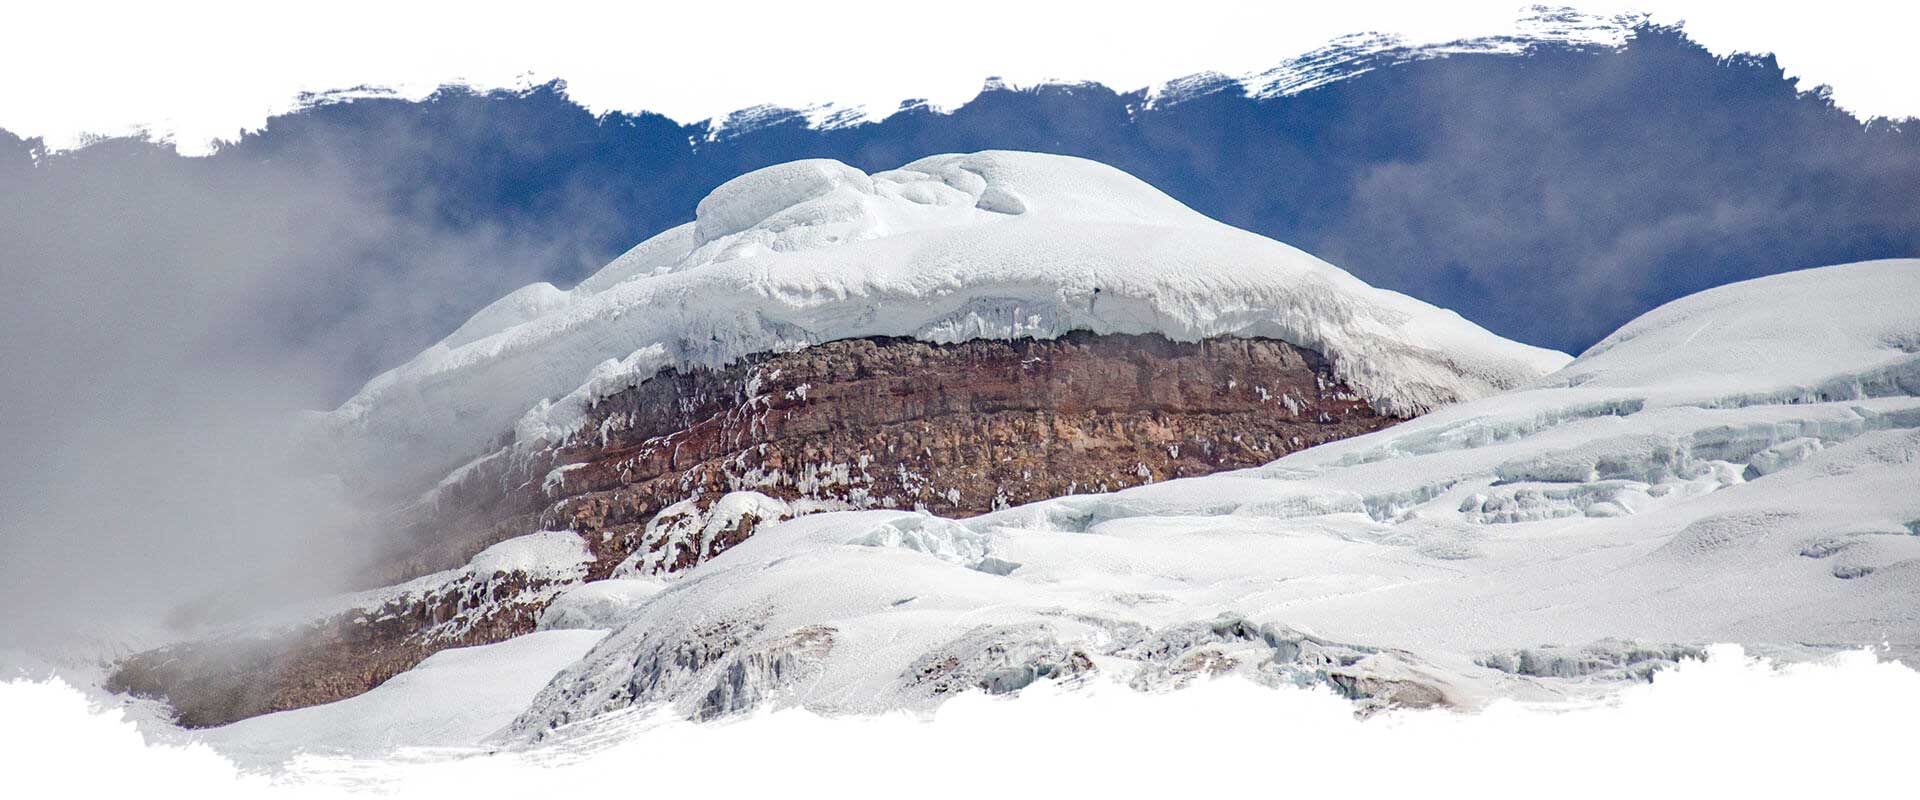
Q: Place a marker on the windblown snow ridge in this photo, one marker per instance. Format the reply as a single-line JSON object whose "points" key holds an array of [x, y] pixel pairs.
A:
{"points": [[948, 248]]}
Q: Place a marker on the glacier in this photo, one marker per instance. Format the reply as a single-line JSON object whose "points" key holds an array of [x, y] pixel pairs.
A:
{"points": [[1742, 465]]}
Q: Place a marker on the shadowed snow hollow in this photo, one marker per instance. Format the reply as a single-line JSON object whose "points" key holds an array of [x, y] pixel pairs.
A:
{"points": [[948, 248]]}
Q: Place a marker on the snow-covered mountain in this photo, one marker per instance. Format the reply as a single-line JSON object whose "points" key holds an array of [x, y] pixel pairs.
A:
{"points": [[1739, 465], [996, 245], [762, 450], [960, 335]]}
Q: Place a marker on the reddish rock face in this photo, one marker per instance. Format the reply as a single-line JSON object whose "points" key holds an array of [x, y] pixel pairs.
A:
{"points": [[955, 429]]}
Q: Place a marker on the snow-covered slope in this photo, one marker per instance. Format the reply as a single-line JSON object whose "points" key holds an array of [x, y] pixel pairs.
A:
{"points": [[953, 247], [1820, 335], [1742, 465], [454, 698]]}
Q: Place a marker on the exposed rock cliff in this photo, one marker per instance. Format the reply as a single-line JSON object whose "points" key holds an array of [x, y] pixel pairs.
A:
{"points": [[676, 469], [957, 430], [959, 335]]}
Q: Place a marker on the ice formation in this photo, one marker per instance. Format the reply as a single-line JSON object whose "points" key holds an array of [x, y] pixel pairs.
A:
{"points": [[947, 248]]}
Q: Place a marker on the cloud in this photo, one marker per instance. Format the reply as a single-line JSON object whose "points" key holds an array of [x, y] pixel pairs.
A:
{"points": [[165, 321]]}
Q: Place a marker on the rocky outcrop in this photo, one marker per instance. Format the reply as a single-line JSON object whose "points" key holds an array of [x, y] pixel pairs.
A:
{"points": [[954, 429], [222, 680], [678, 468]]}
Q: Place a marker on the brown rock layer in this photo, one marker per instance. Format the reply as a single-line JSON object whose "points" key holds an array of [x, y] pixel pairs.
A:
{"points": [[955, 429], [218, 681]]}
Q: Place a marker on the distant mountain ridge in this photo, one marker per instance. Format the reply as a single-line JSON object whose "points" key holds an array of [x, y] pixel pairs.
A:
{"points": [[1342, 58]]}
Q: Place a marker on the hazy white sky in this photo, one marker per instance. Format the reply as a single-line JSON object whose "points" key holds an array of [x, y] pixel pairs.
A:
{"points": [[200, 70]]}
